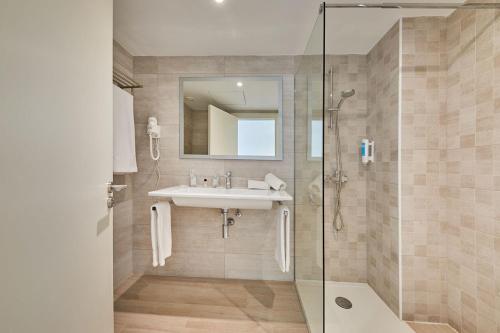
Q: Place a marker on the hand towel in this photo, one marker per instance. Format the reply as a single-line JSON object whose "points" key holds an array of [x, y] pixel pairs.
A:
{"points": [[124, 160], [275, 182], [161, 233], [318, 225], [282, 251], [258, 185]]}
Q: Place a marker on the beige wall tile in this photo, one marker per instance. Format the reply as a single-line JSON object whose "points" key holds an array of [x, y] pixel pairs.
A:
{"points": [[198, 247], [255, 266], [473, 46], [424, 218], [382, 176], [191, 65], [449, 224], [259, 65]]}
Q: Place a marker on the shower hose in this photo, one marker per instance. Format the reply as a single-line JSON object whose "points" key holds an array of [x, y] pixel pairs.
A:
{"points": [[338, 220]]}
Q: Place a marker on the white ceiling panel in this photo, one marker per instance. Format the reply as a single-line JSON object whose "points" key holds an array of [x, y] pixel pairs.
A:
{"points": [[248, 27]]}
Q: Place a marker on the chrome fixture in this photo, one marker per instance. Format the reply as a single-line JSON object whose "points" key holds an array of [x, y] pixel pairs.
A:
{"points": [[339, 177], [124, 81], [111, 189], [343, 96], [416, 5], [226, 223], [343, 302], [330, 109], [228, 179]]}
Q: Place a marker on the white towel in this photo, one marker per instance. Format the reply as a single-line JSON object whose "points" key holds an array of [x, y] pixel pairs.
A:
{"points": [[275, 182], [258, 185], [318, 224], [282, 252], [124, 160], [161, 233]]}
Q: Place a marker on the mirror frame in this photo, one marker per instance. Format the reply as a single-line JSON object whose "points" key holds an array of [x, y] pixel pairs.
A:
{"points": [[280, 136]]}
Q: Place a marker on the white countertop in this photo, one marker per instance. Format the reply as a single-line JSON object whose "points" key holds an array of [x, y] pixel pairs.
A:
{"points": [[184, 191]]}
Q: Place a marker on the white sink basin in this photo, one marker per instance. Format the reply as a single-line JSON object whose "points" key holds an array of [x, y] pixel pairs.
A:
{"points": [[222, 198]]}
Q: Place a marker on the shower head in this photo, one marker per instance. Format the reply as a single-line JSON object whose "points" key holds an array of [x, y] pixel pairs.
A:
{"points": [[348, 93], [345, 95]]}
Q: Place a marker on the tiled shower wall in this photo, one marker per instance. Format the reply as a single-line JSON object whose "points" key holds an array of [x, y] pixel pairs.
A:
{"points": [[122, 213], [450, 162], [472, 128], [382, 176], [451, 155], [346, 251], [198, 247], [423, 152]]}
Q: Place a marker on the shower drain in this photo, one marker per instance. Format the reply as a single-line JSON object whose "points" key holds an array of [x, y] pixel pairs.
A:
{"points": [[343, 302]]}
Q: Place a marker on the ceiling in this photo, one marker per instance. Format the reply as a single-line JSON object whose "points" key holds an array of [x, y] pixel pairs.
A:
{"points": [[252, 94], [248, 27]]}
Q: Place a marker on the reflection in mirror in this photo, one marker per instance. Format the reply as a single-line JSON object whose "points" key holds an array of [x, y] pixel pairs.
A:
{"points": [[315, 118], [231, 117]]}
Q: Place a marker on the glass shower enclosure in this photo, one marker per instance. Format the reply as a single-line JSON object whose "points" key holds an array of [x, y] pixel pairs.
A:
{"points": [[386, 96], [309, 175]]}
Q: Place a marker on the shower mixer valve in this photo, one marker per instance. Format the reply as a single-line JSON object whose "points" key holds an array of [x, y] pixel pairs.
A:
{"points": [[336, 179], [340, 177]]}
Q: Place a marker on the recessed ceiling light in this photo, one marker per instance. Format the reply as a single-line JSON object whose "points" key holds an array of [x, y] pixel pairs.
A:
{"points": [[239, 84], [219, 1]]}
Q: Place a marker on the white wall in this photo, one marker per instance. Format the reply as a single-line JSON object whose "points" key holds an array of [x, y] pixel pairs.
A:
{"points": [[222, 132]]}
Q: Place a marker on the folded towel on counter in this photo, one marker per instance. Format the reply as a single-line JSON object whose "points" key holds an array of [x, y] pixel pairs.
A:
{"points": [[282, 251], [275, 183], [161, 233], [124, 160], [258, 185]]}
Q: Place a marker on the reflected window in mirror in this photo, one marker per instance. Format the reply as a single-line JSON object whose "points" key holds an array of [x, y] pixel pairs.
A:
{"points": [[316, 149], [254, 136], [315, 118]]}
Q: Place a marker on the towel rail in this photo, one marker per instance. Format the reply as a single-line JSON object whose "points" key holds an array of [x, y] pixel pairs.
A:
{"points": [[123, 81]]}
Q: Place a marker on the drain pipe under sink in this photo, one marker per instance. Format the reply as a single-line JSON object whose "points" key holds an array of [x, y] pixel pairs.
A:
{"points": [[226, 223]]}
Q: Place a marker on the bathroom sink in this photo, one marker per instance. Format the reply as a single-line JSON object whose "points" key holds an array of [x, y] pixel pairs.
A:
{"points": [[221, 198]]}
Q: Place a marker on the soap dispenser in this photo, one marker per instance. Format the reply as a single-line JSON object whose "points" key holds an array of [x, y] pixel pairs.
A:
{"points": [[192, 178], [215, 181]]}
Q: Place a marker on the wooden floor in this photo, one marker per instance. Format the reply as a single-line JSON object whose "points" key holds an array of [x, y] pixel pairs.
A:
{"points": [[185, 305], [431, 328]]}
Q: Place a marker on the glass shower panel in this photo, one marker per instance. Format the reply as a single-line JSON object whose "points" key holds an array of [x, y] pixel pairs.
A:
{"points": [[361, 199], [403, 77], [309, 115]]}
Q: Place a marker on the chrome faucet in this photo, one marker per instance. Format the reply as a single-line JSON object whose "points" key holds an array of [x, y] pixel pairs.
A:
{"points": [[228, 179]]}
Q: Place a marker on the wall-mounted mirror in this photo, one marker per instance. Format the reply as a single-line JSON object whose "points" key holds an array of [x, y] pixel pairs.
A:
{"points": [[231, 117]]}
